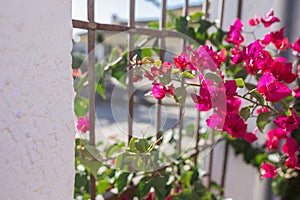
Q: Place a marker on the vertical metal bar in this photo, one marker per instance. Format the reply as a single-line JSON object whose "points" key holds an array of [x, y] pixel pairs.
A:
{"points": [[130, 82], [211, 158], [91, 80], [197, 133], [221, 12], [205, 8], [181, 108], [162, 48], [239, 10], [224, 167]]}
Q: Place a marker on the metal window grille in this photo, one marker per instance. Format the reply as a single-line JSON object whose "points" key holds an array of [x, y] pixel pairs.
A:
{"points": [[91, 26]]}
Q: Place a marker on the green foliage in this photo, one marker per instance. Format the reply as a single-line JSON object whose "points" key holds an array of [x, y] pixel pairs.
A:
{"points": [[262, 120]]}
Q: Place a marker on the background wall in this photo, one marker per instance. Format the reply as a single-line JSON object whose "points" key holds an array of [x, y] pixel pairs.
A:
{"points": [[36, 118]]}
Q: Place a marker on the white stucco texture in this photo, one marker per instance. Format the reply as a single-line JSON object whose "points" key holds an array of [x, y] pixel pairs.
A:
{"points": [[36, 103]]}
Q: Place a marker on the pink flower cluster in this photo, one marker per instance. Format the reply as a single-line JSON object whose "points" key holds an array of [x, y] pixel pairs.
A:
{"points": [[220, 95], [83, 124]]}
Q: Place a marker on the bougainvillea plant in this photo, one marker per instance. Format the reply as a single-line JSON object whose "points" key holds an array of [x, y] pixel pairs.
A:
{"points": [[232, 81]]}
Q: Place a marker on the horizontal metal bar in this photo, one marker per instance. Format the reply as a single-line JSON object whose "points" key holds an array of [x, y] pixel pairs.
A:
{"points": [[118, 28]]}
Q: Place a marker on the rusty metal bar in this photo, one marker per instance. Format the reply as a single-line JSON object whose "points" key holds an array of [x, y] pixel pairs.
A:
{"points": [[221, 12], [205, 8], [181, 108], [91, 80], [118, 28], [162, 48], [239, 10], [223, 178], [130, 82]]}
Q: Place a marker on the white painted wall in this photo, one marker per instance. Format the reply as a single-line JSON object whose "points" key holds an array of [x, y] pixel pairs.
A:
{"points": [[36, 100]]}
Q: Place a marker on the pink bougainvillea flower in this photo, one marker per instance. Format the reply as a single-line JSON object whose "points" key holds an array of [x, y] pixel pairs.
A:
{"points": [[277, 38], [262, 109], [202, 101], [230, 87], [166, 67], [267, 170], [235, 125], [296, 46], [283, 72], [256, 58], [290, 147], [182, 61], [83, 124], [291, 162], [233, 104], [296, 92], [206, 58], [171, 89], [250, 137], [234, 35], [272, 89], [159, 91], [254, 21], [269, 18], [215, 121], [150, 196], [236, 56], [288, 123], [273, 138]]}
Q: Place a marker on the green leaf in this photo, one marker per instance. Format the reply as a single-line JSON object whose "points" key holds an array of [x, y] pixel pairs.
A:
{"points": [[122, 181], [81, 106], [91, 165], [210, 76], [181, 24], [180, 95], [204, 26], [245, 112], [278, 185], [260, 158], [242, 73], [114, 148], [195, 177], [240, 82], [259, 97], [102, 186], [175, 71], [216, 186], [197, 16], [119, 70], [262, 120], [141, 145], [250, 86], [132, 147], [146, 52], [187, 74], [165, 79]]}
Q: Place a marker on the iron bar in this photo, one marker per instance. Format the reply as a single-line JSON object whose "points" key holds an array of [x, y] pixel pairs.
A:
{"points": [[162, 48], [205, 8], [221, 12], [119, 28], [224, 167], [91, 80], [130, 88], [239, 10]]}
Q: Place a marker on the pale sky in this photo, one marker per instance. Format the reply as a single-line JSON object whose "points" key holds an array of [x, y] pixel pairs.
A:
{"points": [[106, 8]]}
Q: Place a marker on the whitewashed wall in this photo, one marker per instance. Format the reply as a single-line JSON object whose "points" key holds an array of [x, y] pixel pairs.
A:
{"points": [[36, 100]]}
